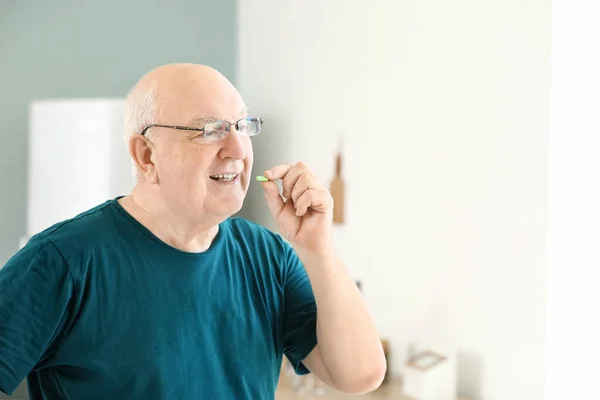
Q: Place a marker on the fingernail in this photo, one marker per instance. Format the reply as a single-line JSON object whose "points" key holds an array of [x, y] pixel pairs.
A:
{"points": [[269, 172]]}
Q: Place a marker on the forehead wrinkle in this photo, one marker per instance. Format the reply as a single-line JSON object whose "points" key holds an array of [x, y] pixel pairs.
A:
{"points": [[206, 118]]}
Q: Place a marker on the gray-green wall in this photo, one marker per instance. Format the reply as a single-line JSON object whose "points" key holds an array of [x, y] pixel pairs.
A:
{"points": [[86, 48]]}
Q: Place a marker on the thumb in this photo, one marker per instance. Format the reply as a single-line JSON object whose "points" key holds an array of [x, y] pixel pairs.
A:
{"points": [[274, 199]]}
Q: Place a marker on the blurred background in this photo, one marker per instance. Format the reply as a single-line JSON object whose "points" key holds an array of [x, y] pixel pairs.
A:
{"points": [[468, 132]]}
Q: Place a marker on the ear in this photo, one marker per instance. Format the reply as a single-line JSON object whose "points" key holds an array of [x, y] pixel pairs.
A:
{"points": [[142, 152]]}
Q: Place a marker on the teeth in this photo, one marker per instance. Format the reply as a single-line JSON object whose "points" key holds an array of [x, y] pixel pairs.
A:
{"points": [[224, 177]]}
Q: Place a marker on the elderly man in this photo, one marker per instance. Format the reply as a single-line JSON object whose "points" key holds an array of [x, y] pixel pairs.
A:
{"points": [[161, 294]]}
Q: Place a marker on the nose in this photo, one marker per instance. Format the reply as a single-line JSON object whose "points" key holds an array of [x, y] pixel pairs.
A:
{"points": [[233, 146]]}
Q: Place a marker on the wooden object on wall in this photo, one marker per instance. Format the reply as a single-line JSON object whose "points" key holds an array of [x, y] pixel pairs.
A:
{"points": [[337, 190]]}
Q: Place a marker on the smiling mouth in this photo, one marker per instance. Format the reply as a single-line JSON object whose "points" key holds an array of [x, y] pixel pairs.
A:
{"points": [[224, 177]]}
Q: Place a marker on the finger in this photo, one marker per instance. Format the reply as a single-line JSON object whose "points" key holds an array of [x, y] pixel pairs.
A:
{"points": [[301, 185], [291, 178], [314, 199], [277, 172], [274, 200]]}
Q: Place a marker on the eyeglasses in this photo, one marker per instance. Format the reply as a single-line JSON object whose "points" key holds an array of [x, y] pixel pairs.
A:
{"points": [[218, 130]]}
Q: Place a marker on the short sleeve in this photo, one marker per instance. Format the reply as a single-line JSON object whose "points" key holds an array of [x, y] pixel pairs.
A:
{"points": [[300, 314], [35, 288]]}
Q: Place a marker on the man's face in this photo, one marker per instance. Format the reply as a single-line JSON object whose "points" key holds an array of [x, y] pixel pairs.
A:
{"points": [[194, 174]]}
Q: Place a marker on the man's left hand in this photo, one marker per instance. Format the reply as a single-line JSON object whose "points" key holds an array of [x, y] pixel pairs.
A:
{"points": [[304, 215]]}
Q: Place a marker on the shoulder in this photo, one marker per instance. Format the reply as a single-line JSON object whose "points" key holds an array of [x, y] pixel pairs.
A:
{"points": [[40, 261], [72, 241], [265, 246], [257, 236], [81, 226], [39, 247], [239, 224]]}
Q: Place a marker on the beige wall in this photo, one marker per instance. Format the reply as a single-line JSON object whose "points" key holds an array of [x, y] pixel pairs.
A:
{"points": [[445, 110]]}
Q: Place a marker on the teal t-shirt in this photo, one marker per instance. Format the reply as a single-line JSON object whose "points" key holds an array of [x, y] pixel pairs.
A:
{"points": [[97, 307]]}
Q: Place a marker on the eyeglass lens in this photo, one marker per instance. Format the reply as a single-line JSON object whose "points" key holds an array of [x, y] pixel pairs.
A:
{"points": [[220, 129]]}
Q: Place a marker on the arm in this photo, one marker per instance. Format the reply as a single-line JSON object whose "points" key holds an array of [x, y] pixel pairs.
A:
{"points": [[35, 289], [349, 355]]}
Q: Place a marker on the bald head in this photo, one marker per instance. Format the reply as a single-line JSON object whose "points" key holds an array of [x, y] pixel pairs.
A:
{"points": [[174, 86]]}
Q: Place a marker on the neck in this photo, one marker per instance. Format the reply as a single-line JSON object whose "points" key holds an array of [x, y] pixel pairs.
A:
{"points": [[179, 232]]}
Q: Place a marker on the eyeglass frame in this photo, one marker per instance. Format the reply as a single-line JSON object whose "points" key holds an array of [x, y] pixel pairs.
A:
{"points": [[190, 128]]}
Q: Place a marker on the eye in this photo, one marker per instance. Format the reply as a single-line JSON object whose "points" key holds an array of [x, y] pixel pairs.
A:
{"points": [[242, 126], [215, 134]]}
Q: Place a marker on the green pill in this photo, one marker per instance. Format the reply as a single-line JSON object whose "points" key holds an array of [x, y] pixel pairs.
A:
{"points": [[261, 178]]}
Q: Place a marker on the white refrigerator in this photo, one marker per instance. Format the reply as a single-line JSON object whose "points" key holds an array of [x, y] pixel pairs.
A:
{"points": [[77, 158]]}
